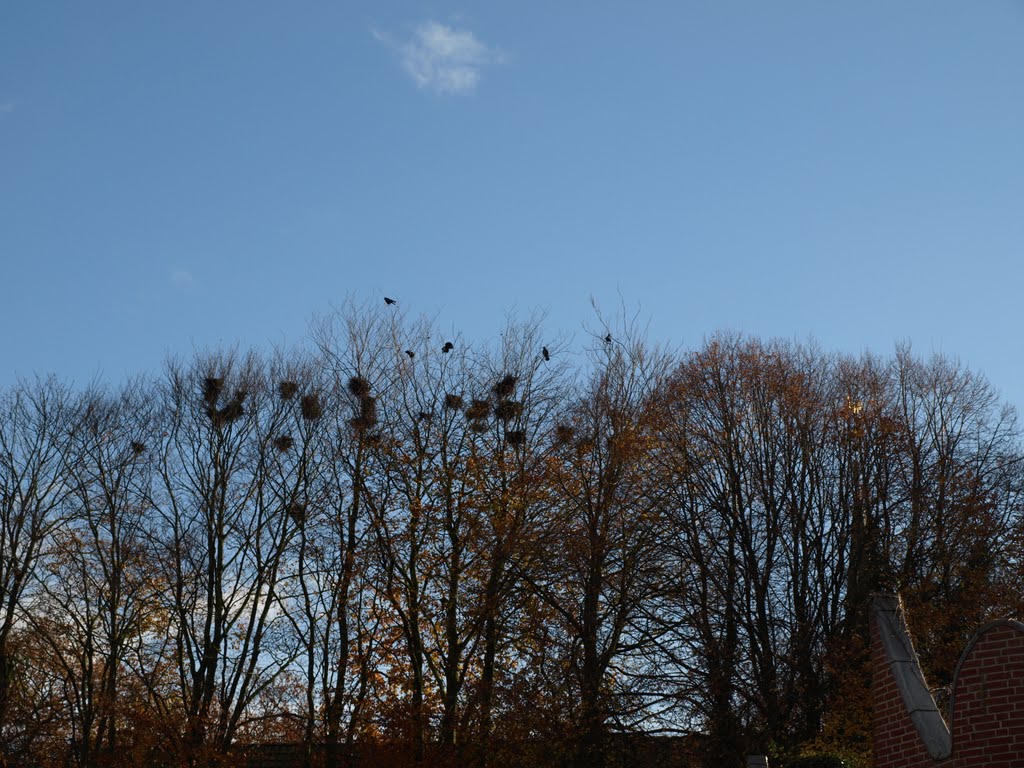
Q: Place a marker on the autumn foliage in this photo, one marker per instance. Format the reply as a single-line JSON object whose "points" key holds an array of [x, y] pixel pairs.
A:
{"points": [[483, 555]]}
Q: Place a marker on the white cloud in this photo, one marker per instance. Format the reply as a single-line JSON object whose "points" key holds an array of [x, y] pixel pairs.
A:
{"points": [[181, 276], [442, 58]]}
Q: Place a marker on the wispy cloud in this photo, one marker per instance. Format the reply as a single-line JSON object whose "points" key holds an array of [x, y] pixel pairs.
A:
{"points": [[441, 58], [181, 277]]}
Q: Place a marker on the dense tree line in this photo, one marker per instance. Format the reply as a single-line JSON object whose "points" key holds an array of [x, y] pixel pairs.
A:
{"points": [[486, 554]]}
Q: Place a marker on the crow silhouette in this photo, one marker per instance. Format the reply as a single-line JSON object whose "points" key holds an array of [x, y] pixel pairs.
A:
{"points": [[448, 347], [608, 339], [410, 353], [545, 354], [389, 301]]}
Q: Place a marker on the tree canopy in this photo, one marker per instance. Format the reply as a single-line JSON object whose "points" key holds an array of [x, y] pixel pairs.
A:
{"points": [[491, 553]]}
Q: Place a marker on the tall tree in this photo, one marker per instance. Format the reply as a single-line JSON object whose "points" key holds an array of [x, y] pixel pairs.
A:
{"points": [[958, 475], [37, 427], [346, 639], [603, 546], [224, 520], [95, 580]]}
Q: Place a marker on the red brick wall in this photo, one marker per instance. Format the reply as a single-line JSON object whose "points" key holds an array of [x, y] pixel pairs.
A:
{"points": [[987, 706], [988, 699]]}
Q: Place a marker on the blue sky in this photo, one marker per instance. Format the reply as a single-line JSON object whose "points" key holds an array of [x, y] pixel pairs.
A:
{"points": [[182, 175]]}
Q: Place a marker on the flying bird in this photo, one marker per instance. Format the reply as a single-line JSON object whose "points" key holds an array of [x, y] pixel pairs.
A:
{"points": [[410, 353], [448, 347], [389, 301], [545, 354]]}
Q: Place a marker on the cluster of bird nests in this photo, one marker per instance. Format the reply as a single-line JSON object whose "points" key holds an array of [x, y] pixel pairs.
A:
{"points": [[503, 408], [232, 410], [213, 389], [367, 416], [506, 410], [309, 404], [505, 388]]}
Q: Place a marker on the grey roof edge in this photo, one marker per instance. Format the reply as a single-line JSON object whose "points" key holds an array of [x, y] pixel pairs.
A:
{"points": [[906, 671]]}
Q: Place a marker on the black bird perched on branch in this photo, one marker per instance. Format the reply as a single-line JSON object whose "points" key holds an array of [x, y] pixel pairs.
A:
{"points": [[448, 347], [545, 354], [410, 353], [389, 301], [608, 339]]}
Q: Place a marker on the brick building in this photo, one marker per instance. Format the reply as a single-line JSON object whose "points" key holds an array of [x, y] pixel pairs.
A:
{"points": [[984, 727]]}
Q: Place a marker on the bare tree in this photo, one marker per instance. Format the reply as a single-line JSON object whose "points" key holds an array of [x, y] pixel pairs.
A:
{"points": [[224, 518], [505, 470], [345, 614], [463, 552], [603, 547], [37, 426], [94, 582], [958, 474]]}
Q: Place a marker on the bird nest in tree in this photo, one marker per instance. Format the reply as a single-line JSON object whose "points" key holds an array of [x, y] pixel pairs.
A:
{"points": [[212, 387], [367, 418], [284, 443], [297, 511], [504, 388], [138, 448], [478, 426], [368, 406], [478, 410], [287, 389], [363, 422], [310, 407], [359, 386], [584, 445], [233, 411], [453, 402], [515, 437], [563, 433], [425, 415], [506, 410]]}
